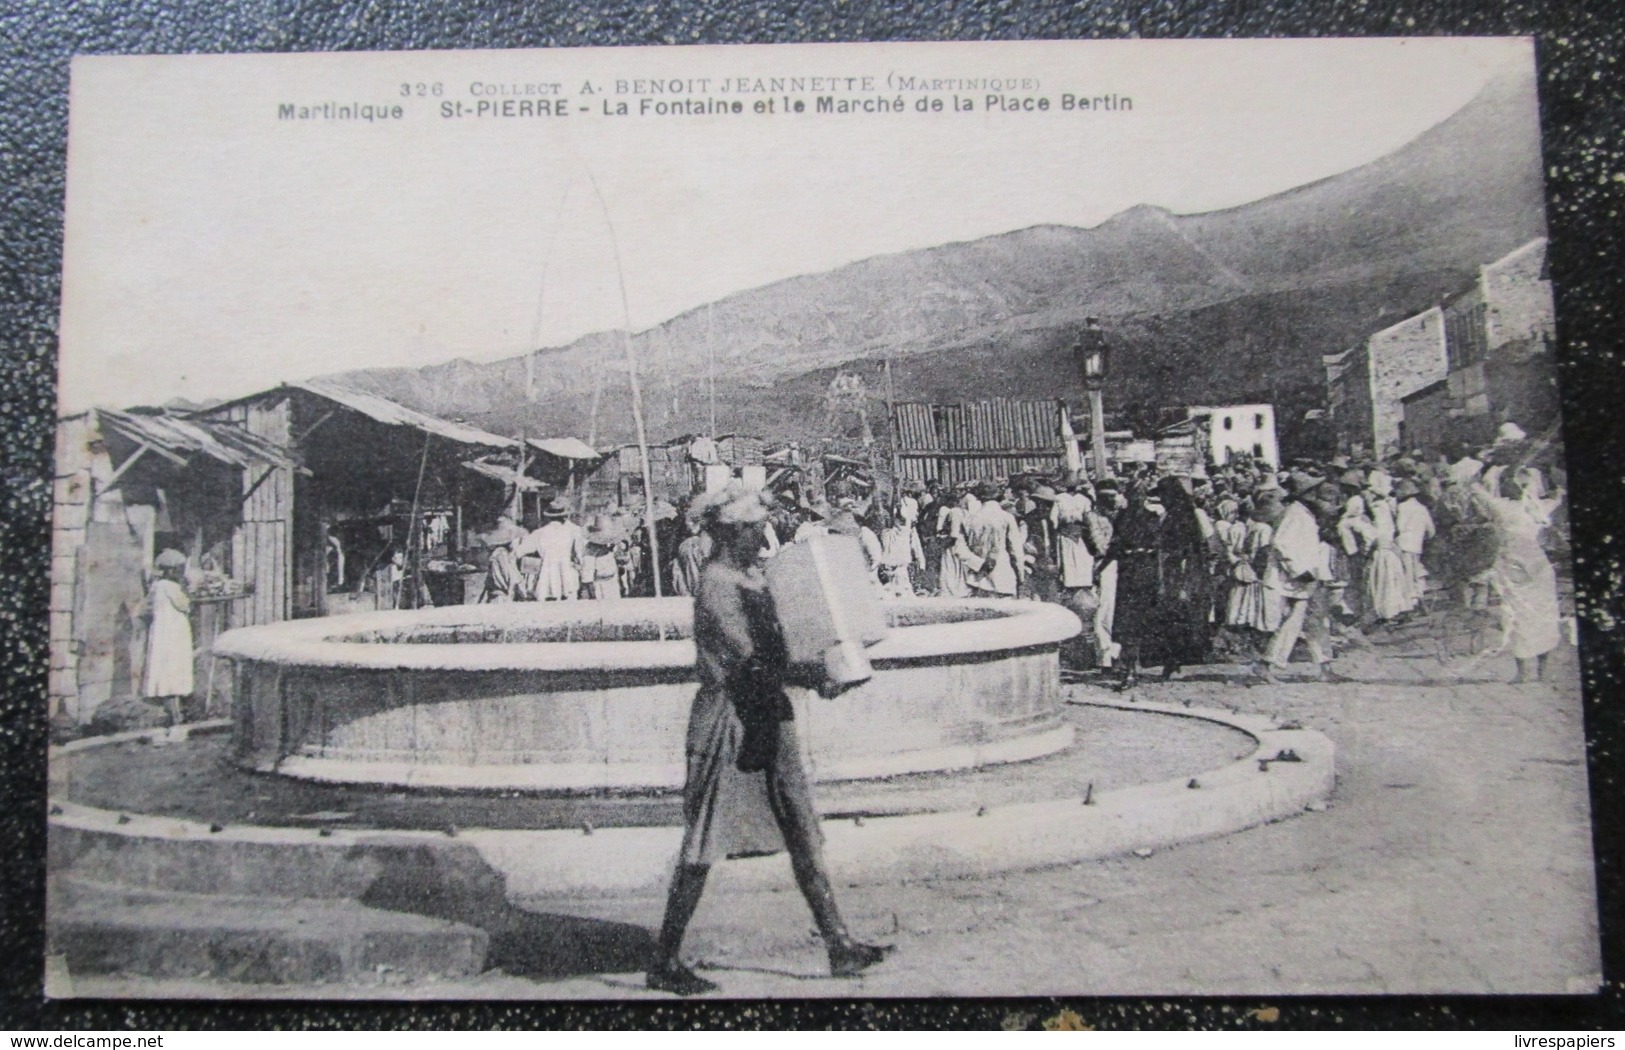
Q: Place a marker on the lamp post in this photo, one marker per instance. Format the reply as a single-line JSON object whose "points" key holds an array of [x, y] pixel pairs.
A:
{"points": [[1092, 355]]}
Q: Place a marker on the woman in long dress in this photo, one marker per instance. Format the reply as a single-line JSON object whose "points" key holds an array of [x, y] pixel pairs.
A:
{"points": [[1186, 582], [958, 560], [1069, 516], [1135, 611], [900, 553], [1229, 534], [1521, 576], [167, 675], [747, 789], [1387, 587], [1251, 604]]}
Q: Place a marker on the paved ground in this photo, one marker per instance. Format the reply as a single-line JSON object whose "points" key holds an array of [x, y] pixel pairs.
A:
{"points": [[1454, 857], [197, 781]]}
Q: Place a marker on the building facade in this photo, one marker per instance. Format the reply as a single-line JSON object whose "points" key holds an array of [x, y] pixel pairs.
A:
{"points": [[1499, 337], [1348, 397], [1240, 431], [1403, 359], [1453, 373]]}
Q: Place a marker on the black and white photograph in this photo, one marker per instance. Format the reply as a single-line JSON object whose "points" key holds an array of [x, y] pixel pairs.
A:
{"points": [[853, 521]]}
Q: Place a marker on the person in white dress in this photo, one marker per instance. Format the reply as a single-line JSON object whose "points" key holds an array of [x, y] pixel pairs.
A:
{"points": [[1388, 590], [1251, 604], [1413, 524], [1521, 577], [167, 675], [601, 572], [900, 551], [958, 560], [1069, 515], [560, 547]]}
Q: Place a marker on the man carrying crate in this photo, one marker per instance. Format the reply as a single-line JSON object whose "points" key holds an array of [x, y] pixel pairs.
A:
{"points": [[747, 791]]}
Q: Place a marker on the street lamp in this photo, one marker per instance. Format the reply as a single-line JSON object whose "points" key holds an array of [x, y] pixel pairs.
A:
{"points": [[1093, 356]]}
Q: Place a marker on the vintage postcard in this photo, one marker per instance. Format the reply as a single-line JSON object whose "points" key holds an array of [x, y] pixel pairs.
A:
{"points": [[1055, 518]]}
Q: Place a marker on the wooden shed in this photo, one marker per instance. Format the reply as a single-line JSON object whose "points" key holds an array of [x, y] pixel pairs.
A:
{"points": [[383, 517], [127, 485]]}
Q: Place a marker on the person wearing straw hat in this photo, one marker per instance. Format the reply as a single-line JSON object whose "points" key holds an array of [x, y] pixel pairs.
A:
{"points": [[1414, 527], [746, 791], [502, 579], [601, 572], [167, 675], [1296, 572], [560, 547]]}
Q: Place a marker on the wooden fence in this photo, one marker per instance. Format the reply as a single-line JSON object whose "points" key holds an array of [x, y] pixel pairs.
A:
{"points": [[978, 439]]}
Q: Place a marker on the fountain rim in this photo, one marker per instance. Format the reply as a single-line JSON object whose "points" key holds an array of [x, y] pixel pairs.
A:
{"points": [[313, 643]]}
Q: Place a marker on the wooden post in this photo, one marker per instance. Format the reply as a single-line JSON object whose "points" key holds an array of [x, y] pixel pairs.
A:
{"points": [[643, 456], [637, 396], [891, 419], [711, 363], [1097, 434], [415, 559]]}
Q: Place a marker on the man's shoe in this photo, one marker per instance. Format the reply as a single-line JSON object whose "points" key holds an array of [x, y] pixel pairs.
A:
{"points": [[670, 975], [850, 958]]}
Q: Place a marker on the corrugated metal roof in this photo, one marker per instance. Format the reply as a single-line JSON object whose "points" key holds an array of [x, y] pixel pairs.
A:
{"points": [[505, 474], [392, 413], [564, 447], [187, 437]]}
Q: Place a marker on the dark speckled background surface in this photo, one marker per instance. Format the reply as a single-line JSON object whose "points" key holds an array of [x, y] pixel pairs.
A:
{"points": [[1581, 86]]}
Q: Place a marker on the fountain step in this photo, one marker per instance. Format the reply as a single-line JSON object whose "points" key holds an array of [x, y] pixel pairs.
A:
{"points": [[168, 856], [256, 940]]}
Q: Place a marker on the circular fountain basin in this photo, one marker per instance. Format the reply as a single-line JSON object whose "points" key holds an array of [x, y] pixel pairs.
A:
{"points": [[595, 695]]}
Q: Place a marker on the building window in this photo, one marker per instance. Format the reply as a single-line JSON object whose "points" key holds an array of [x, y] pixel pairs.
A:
{"points": [[1466, 336], [1258, 451], [1258, 421], [1228, 423]]}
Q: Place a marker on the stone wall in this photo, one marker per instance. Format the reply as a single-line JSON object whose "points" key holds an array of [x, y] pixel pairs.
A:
{"points": [[1404, 358], [71, 491], [1348, 388], [1518, 297]]}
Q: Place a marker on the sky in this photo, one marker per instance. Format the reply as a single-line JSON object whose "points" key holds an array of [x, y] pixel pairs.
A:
{"points": [[214, 249]]}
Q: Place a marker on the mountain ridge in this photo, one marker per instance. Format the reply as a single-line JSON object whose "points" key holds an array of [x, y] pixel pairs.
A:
{"points": [[1306, 271]]}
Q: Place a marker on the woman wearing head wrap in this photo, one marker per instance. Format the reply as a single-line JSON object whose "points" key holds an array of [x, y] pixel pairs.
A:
{"points": [[1251, 605], [958, 560], [746, 789], [1387, 588]]}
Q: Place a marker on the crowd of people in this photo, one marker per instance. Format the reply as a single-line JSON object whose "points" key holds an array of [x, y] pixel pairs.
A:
{"points": [[1164, 568]]}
